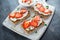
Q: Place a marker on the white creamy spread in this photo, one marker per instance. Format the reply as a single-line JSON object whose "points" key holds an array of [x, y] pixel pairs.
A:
{"points": [[13, 19], [27, 29], [30, 28]]}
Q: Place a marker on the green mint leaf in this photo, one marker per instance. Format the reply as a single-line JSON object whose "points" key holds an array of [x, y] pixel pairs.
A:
{"points": [[47, 7], [18, 8], [45, 24], [35, 31]]}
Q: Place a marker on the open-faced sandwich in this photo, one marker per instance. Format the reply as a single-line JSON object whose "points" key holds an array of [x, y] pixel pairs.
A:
{"points": [[31, 25], [44, 12], [17, 16]]}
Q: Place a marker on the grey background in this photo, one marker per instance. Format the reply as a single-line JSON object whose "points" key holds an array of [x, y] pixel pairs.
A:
{"points": [[52, 33]]}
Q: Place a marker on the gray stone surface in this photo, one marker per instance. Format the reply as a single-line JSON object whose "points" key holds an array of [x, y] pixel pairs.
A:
{"points": [[52, 33]]}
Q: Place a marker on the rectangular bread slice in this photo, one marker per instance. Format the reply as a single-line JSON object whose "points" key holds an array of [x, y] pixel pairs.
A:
{"points": [[38, 27], [17, 21], [35, 29]]}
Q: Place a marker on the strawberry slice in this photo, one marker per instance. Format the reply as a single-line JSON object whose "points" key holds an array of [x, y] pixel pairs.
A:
{"points": [[30, 1], [37, 18], [38, 5], [42, 9], [23, 10], [47, 11], [18, 15], [11, 15], [33, 23], [24, 0], [26, 24]]}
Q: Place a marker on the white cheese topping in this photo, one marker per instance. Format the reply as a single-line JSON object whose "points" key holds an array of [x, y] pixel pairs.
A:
{"points": [[31, 28], [27, 29], [13, 19]]}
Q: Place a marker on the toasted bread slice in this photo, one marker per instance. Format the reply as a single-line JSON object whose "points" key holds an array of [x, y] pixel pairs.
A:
{"points": [[42, 11], [17, 21], [28, 31], [35, 29]]}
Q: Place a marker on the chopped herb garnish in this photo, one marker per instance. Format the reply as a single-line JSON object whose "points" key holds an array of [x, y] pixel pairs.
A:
{"points": [[45, 24], [18, 8], [47, 7], [29, 28], [35, 31]]}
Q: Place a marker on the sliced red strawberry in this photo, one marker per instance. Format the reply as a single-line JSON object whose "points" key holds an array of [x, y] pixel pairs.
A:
{"points": [[47, 11], [23, 10], [34, 24], [11, 15], [18, 15], [42, 9], [38, 5], [37, 18], [30, 1], [24, 0], [26, 24]]}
